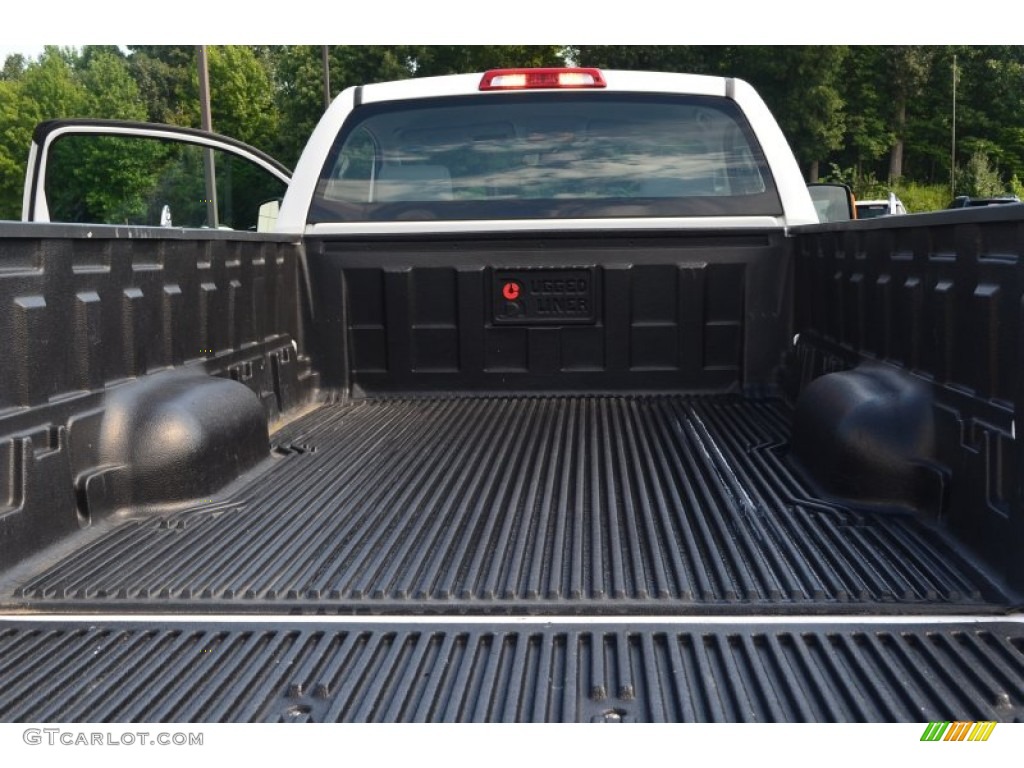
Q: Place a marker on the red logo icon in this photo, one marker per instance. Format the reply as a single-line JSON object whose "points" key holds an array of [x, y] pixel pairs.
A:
{"points": [[510, 291]]}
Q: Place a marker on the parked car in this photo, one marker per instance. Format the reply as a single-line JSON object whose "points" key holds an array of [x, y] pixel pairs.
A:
{"points": [[870, 209], [964, 201]]}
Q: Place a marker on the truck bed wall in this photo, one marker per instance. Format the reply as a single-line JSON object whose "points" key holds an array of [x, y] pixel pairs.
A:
{"points": [[680, 312], [922, 312], [111, 336]]}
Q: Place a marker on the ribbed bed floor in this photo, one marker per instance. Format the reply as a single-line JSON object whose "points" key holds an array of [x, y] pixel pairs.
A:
{"points": [[116, 671], [533, 504]]}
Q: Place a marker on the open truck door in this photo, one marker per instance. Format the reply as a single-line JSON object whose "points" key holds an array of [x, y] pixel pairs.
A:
{"points": [[142, 174]]}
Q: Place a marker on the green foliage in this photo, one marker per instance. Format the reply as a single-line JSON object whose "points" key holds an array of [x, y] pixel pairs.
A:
{"points": [[298, 85], [906, 68], [649, 58], [110, 89], [430, 60], [46, 89], [241, 96], [916, 198], [166, 77], [813, 115], [864, 185], [50, 88], [979, 178], [297, 74], [868, 136], [1016, 186], [14, 66], [920, 198], [15, 134]]}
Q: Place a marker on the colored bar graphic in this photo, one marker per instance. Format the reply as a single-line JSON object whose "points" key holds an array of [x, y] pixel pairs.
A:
{"points": [[984, 731], [958, 730]]}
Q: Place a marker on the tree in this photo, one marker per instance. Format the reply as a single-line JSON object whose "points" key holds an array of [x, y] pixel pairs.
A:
{"points": [[424, 60], [102, 178], [812, 116], [111, 92], [907, 68], [990, 106], [165, 75], [867, 136], [50, 88], [14, 67], [298, 81], [298, 91], [651, 58], [242, 96], [15, 134], [980, 178], [45, 89]]}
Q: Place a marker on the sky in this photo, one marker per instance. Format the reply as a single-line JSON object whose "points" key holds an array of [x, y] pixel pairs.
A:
{"points": [[651, 22], [26, 50]]}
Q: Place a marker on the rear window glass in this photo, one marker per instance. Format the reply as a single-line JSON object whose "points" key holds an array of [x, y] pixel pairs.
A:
{"points": [[872, 211], [550, 155]]}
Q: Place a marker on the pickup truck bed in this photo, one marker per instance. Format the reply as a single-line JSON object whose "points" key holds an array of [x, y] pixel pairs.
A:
{"points": [[394, 503], [596, 505], [429, 511]]}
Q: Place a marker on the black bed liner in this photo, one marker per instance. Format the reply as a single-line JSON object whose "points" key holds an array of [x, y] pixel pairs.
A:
{"points": [[345, 671], [585, 505]]}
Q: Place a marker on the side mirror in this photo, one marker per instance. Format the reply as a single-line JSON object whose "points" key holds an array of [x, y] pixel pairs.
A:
{"points": [[833, 202]]}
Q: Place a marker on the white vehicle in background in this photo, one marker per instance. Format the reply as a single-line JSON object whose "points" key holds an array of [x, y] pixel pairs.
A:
{"points": [[870, 209]]}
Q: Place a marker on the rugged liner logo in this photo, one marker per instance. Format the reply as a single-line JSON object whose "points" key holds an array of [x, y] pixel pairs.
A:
{"points": [[958, 731], [542, 296]]}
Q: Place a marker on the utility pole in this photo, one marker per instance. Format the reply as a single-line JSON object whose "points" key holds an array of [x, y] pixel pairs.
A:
{"points": [[207, 125], [327, 76], [952, 151]]}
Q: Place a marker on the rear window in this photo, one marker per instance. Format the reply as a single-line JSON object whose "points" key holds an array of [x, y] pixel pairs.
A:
{"points": [[872, 210], [544, 155]]}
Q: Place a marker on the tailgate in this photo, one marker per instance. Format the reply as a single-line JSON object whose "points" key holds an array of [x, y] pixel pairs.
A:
{"points": [[372, 670]]}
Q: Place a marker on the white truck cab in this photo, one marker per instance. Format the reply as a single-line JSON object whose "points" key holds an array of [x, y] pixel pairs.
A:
{"points": [[546, 149]]}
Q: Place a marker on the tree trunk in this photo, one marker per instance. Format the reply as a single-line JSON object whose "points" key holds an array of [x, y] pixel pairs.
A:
{"points": [[896, 161], [896, 153], [812, 173]]}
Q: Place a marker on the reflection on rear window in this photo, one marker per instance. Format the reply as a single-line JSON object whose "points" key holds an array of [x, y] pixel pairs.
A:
{"points": [[501, 156]]}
